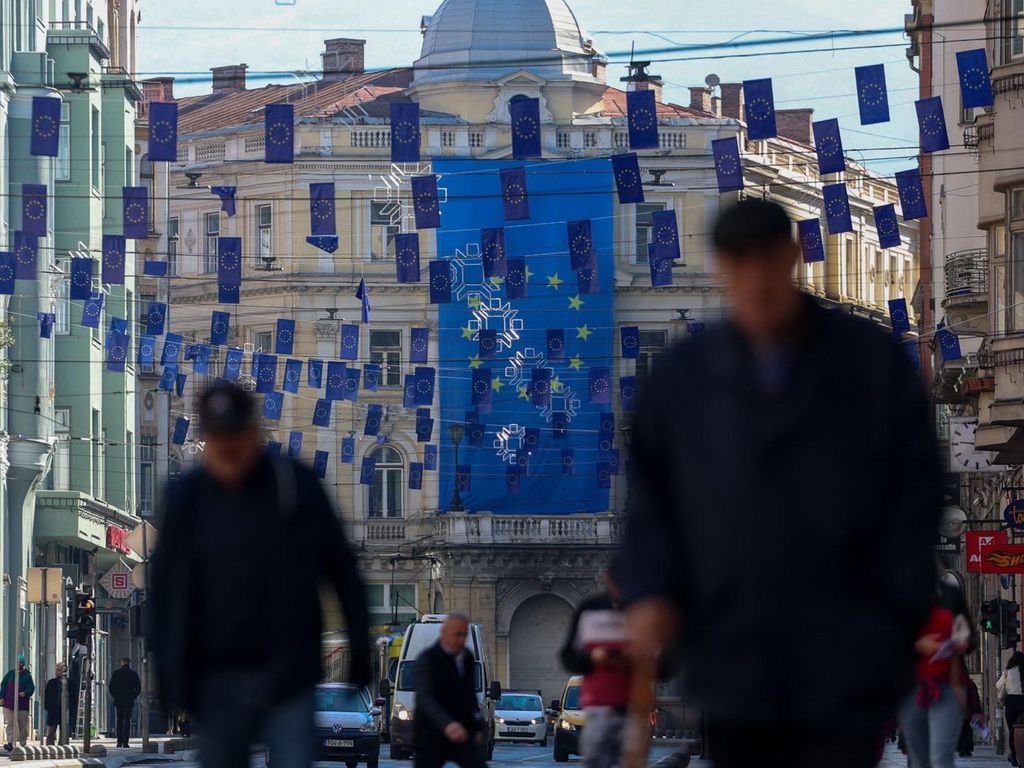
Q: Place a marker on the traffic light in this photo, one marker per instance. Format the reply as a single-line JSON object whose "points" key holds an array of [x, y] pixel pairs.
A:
{"points": [[85, 617], [1010, 616], [989, 616]]}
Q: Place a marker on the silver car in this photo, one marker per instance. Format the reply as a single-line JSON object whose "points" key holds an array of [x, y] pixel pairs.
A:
{"points": [[520, 716]]}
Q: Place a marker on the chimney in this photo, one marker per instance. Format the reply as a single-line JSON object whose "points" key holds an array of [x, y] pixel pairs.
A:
{"points": [[732, 100], [229, 79], [700, 99], [344, 57], [716, 106], [166, 87], [598, 68], [652, 84], [795, 124]]}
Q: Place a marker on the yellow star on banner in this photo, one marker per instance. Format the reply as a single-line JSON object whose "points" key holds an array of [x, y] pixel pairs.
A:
{"points": [[475, 361], [529, 274], [576, 363], [557, 385], [497, 385], [583, 332], [468, 333], [554, 281], [498, 281], [576, 302], [474, 301], [524, 394]]}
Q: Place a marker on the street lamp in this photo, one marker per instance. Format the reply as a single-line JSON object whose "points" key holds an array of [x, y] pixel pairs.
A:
{"points": [[455, 432]]}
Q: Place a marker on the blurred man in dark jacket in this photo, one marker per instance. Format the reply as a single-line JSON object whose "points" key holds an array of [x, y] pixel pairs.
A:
{"points": [[124, 688], [783, 513], [244, 543], [55, 704]]}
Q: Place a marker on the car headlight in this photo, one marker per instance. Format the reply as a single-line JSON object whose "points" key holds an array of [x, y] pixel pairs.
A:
{"points": [[534, 721], [565, 725], [402, 713], [368, 727], [501, 720]]}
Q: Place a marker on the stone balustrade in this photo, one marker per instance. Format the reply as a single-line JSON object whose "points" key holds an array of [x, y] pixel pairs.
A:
{"points": [[485, 529]]}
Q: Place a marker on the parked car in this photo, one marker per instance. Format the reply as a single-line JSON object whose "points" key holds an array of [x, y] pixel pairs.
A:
{"points": [[570, 720], [520, 716]]}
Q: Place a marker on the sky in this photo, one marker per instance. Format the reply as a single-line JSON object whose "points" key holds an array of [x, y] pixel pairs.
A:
{"points": [[186, 37]]}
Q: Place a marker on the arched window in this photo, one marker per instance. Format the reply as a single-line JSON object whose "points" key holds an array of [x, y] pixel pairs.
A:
{"points": [[388, 483]]}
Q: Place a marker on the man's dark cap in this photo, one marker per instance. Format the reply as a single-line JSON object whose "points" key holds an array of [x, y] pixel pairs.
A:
{"points": [[751, 225], [226, 409]]}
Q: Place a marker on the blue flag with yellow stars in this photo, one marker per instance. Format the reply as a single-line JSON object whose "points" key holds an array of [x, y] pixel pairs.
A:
{"points": [[516, 286], [627, 392], [163, 131], [407, 257], [34, 209], [363, 294], [349, 342], [233, 363], [811, 243], [279, 133], [760, 109], [229, 294], [26, 256], [147, 350], [665, 235], [227, 198], [642, 119], [837, 208], [426, 202], [888, 226], [540, 387], [728, 165], [628, 182], [135, 202], [292, 376], [559, 425], [81, 278], [587, 281], [899, 315], [325, 243], [430, 458], [220, 327], [322, 413], [352, 378], [229, 261], [463, 477], [45, 139], [514, 194], [374, 414], [582, 254], [481, 388], [949, 344], [171, 351], [284, 339], [153, 268], [167, 378], [661, 269], [415, 475], [320, 463], [155, 318], [409, 391], [872, 94], [931, 121], [419, 344], [371, 377], [322, 219], [266, 372], [46, 322], [512, 480], [294, 445], [488, 338], [405, 132], [440, 282], [492, 252], [629, 341], [348, 450], [315, 374], [425, 378], [975, 82], [336, 380], [525, 117], [117, 351], [569, 461], [181, 425], [911, 194], [424, 425], [556, 345], [600, 390], [828, 143], [179, 384]]}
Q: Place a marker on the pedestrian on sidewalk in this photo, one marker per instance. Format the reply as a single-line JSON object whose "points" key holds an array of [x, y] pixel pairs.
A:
{"points": [[782, 517], [124, 687], [1010, 691], [932, 715], [245, 542], [448, 726], [595, 648], [55, 702], [26, 687], [974, 716]]}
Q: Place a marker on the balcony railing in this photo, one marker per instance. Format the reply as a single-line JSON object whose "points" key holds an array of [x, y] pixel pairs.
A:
{"points": [[485, 529], [966, 275]]}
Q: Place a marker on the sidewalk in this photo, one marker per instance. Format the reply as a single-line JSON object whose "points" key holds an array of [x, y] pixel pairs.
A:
{"points": [[114, 758]]}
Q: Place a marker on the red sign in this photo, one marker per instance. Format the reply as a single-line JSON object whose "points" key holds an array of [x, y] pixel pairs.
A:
{"points": [[117, 540], [976, 542], [1003, 558]]}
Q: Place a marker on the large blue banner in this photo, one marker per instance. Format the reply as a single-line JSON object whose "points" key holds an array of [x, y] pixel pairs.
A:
{"points": [[529, 458]]}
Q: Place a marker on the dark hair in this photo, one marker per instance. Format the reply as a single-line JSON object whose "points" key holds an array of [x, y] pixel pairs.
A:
{"points": [[751, 224], [1017, 660], [126, 660], [226, 408]]}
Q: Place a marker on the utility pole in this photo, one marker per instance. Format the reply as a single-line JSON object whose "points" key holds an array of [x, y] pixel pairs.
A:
{"points": [[146, 749]]}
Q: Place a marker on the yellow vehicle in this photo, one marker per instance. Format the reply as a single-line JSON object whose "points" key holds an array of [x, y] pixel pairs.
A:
{"points": [[569, 721]]}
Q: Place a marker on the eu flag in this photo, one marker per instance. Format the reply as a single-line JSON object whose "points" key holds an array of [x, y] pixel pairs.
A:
{"points": [[728, 165], [582, 254], [949, 343], [229, 294], [828, 143], [415, 475], [315, 374], [627, 392], [559, 425], [113, 259], [911, 194], [320, 463], [629, 341], [488, 338], [163, 131], [181, 425], [348, 450], [492, 244], [810, 240], [872, 94], [525, 115], [628, 182], [418, 346], [371, 377], [81, 278], [568, 461], [352, 376], [426, 203], [294, 445], [202, 360], [326, 243], [480, 394], [975, 83], [91, 308], [899, 315], [932, 123], [837, 208], [409, 391], [477, 431], [155, 318], [642, 118], [665, 235], [374, 415], [540, 387], [363, 294], [322, 413], [556, 345], [336, 381], [425, 378], [135, 202], [600, 388], [405, 132], [888, 226], [167, 378], [147, 350], [45, 126], [33, 209], [220, 327], [284, 339], [513, 192], [587, 281], [463, 477], [760, 109], [153, 268], [661, 269], [515, 280], [424, 425], [266, 372], [233, 363], [440, 282], [46, 321], [349, 342], [407, 257], [227, 198], [172, 349], [292, 376], [273, 404], [279, 132], [321, 209], [26, 256], [229, 260], [430, 458], [604, 475]]}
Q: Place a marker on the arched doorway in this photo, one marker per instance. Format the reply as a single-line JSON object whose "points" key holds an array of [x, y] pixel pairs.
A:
{"points": [[536, 633]]}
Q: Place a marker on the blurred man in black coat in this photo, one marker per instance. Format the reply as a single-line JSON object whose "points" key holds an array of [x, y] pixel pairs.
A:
{"points": [[783, 513], [124, 688]]}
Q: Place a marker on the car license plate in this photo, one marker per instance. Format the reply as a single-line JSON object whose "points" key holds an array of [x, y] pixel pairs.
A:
{"points": [[518, 729], [339, 743]]}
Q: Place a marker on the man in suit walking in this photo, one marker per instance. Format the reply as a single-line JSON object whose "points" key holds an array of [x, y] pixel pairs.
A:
{"points": [[448, 726], [124, 688]]}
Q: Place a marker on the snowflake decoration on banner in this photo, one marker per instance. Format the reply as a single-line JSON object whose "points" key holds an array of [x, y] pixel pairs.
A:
{"points": [[508, 441], [490, 310], [518, 370], [388, 190]]}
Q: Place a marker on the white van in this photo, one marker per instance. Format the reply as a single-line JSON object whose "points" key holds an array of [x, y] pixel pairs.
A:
{"points": [[418, 637]]}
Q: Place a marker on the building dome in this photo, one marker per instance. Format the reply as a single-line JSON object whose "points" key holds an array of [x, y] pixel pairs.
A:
{"points": [[487, 39]]}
